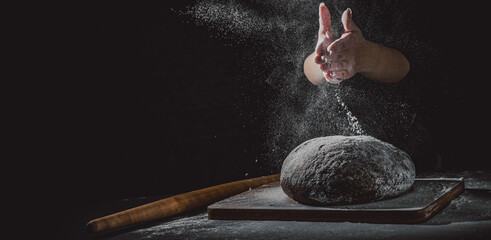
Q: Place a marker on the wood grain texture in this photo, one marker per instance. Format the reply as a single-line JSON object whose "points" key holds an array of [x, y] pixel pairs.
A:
{"points": [[424, 200], [176, 205]]}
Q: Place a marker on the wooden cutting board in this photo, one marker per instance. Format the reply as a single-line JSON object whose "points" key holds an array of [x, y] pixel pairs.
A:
{"points": [[426, 197]]}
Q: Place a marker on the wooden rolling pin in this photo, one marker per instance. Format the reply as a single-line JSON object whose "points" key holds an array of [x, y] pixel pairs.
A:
{"points": [[176, 205]]}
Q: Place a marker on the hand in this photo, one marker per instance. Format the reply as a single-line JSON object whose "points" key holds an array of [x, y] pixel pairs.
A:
{"points": [[325, 38], [342, 58], [336, 60]]}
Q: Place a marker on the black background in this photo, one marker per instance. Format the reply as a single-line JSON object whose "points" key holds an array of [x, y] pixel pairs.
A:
{"points": [[120, 101]]}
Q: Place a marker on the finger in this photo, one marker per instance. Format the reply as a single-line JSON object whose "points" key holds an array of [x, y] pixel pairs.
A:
{"points": [[335, 57], [335, 81], [324, 21], [340, 75], [347, 20], [332, 66], [321, 49], [337, 46], [324, 67], [329, 78], [319, 59]]}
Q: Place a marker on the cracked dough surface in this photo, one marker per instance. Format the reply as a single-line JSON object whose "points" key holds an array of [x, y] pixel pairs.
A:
{"points": [[345, 170]]}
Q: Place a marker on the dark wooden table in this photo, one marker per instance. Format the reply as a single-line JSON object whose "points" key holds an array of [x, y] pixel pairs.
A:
{"points": [[466, 217]]}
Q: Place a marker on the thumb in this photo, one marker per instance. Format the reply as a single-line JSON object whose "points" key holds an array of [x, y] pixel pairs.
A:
{"points": [[348, 24]]}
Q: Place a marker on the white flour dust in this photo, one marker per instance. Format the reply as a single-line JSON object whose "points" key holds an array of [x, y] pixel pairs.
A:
{"points": [[176, 227], [279, 35], [230, 19], [352, 120]]}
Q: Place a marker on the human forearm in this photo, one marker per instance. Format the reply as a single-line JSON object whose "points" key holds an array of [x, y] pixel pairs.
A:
{"points": [[382, 64], [312, 70]]}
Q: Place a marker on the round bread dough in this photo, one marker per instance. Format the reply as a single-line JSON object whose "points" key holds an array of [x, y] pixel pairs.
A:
{"points": [[345, 170]]}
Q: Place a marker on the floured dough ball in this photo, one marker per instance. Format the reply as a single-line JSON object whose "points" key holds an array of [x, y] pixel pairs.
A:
{"points": [[345, 170]]}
